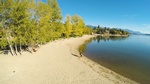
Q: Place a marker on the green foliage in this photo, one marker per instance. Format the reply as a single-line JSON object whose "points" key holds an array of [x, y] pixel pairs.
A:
{"points": [[19, 21], [74, 26], [68, 26], [3, 41], [105, 30], [87, 30], [30, 22], [56, 13], [118, 31], [77, 25]]}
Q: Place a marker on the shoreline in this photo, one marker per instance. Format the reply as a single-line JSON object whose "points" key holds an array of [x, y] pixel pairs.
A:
{"points": [[105, 35], [105, 71], [108, 73], [57, 63]]}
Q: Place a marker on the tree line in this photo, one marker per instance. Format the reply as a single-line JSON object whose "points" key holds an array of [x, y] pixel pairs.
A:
{"points": [[107, 30], [25, 23]]}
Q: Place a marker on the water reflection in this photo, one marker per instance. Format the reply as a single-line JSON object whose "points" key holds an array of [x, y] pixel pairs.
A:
{"points": [[128, 56], [82, 47], [108, 38]]}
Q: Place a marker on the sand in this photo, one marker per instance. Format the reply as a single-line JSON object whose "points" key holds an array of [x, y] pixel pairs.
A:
{"points": [[56, 63]]}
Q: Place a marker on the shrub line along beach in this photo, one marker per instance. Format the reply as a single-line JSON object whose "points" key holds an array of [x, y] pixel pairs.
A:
{"points": [[57, 62]]}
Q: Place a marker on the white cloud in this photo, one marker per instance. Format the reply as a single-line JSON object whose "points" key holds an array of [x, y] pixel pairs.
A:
{"points": [[130, 16]]}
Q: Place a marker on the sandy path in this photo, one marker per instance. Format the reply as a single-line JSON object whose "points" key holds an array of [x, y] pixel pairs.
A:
{"points": [[55, 64]]}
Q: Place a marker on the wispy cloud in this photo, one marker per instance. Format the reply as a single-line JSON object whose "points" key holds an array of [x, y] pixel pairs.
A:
{"points": [[146, 25], [124, 26], [129, 16], [133, 16]]}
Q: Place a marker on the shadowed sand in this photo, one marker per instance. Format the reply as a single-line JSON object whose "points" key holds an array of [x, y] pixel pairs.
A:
{"points": [[56, 63]]}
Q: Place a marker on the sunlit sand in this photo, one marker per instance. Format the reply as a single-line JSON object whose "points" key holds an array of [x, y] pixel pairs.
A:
{"points": [[57, 62]]}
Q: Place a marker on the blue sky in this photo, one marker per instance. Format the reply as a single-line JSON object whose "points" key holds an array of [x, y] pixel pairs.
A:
{"points": [[125, 14]]}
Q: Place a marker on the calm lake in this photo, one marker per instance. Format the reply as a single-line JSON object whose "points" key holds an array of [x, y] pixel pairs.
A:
{"points": [[128, 56]]}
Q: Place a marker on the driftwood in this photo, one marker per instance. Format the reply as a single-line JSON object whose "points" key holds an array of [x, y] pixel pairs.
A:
{"points": [[17, 49], [80, 54]]}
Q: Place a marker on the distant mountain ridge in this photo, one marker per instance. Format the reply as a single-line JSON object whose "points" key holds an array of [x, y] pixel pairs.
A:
{"points": [[133, 32], [91, 26], [147, 34]]}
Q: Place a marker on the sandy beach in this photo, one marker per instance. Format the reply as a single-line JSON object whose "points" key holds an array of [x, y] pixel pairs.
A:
{"points": [[56, 63]]}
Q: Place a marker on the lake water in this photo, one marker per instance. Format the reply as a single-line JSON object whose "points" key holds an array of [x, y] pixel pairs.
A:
{"points": [[128, 56]]}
